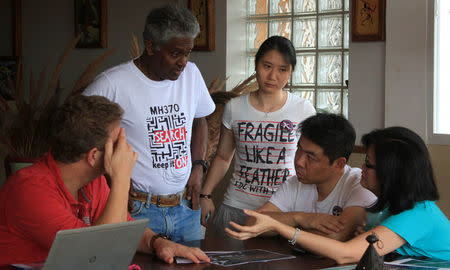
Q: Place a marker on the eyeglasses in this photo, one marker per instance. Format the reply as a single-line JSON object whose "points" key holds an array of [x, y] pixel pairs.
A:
{"points": [[368, 165]]}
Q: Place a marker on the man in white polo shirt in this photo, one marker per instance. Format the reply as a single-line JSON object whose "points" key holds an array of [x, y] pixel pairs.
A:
{"points": [[325, 196]]}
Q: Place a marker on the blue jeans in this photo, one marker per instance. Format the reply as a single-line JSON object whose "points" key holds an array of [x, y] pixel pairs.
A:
{"points": [[180, 223]]}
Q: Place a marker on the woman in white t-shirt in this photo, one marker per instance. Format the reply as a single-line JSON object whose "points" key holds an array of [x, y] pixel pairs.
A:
{"points": [[258, 129]]}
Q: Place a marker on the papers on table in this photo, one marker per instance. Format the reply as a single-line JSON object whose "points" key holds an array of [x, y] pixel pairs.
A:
{"points": [[418, 263], [230, 258]]}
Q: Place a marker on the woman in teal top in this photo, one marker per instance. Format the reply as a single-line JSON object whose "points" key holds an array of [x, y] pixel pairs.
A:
{"points": [[398, 170]]}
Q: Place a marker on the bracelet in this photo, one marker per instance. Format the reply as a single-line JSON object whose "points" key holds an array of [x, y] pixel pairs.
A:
{"points": [[205, 196], [294, 239]]}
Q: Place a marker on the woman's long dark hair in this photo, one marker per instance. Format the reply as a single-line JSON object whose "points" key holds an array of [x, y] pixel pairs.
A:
{"points": [[403, 169], [282, 45]]}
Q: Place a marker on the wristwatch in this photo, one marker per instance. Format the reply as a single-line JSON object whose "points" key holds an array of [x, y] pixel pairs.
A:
{"points": [[202, 162], [154, 237]]}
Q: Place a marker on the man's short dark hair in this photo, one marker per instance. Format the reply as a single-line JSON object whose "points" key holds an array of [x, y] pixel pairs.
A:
{"points": [[333, 133], [80, 124]]}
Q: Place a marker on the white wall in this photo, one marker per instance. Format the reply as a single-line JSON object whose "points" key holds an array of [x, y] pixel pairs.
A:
{"points": [[390, 81], [406, 64], [236, 42], [366, 86]]}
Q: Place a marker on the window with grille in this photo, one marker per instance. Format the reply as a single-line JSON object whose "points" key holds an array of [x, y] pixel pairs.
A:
{"points": [[319, 30]]}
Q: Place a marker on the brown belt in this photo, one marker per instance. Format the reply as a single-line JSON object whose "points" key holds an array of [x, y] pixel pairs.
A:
{"points": [[159, 200]]}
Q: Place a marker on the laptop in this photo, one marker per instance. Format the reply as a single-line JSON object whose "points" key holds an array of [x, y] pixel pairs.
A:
{"points": [[109, 246]]}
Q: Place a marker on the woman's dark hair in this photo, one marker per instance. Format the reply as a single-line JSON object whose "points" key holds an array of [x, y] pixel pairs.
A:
{"points": [[403, 169], [282, 45]]}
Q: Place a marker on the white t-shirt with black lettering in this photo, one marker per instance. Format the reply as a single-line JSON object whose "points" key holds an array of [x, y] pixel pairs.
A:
{"points": [[294, 196], [158, 121], [265, 148]]}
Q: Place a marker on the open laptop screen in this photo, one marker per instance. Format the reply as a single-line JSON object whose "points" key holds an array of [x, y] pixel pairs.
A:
{"points": [[109, 246]]}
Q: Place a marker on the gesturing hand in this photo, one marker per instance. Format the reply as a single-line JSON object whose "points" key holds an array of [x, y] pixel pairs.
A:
{"points": [[263, 223]]}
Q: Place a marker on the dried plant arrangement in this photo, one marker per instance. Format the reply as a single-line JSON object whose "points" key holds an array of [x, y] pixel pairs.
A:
{"points": [[134, 50], [221, 98], [24, 122]]}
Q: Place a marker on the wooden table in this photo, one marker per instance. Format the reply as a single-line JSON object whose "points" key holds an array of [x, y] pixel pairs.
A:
{"points": [[275, 244]]}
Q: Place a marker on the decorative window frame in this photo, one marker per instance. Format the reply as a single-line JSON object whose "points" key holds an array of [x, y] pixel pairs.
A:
{"points": [[432, 137], [309, 91]]}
